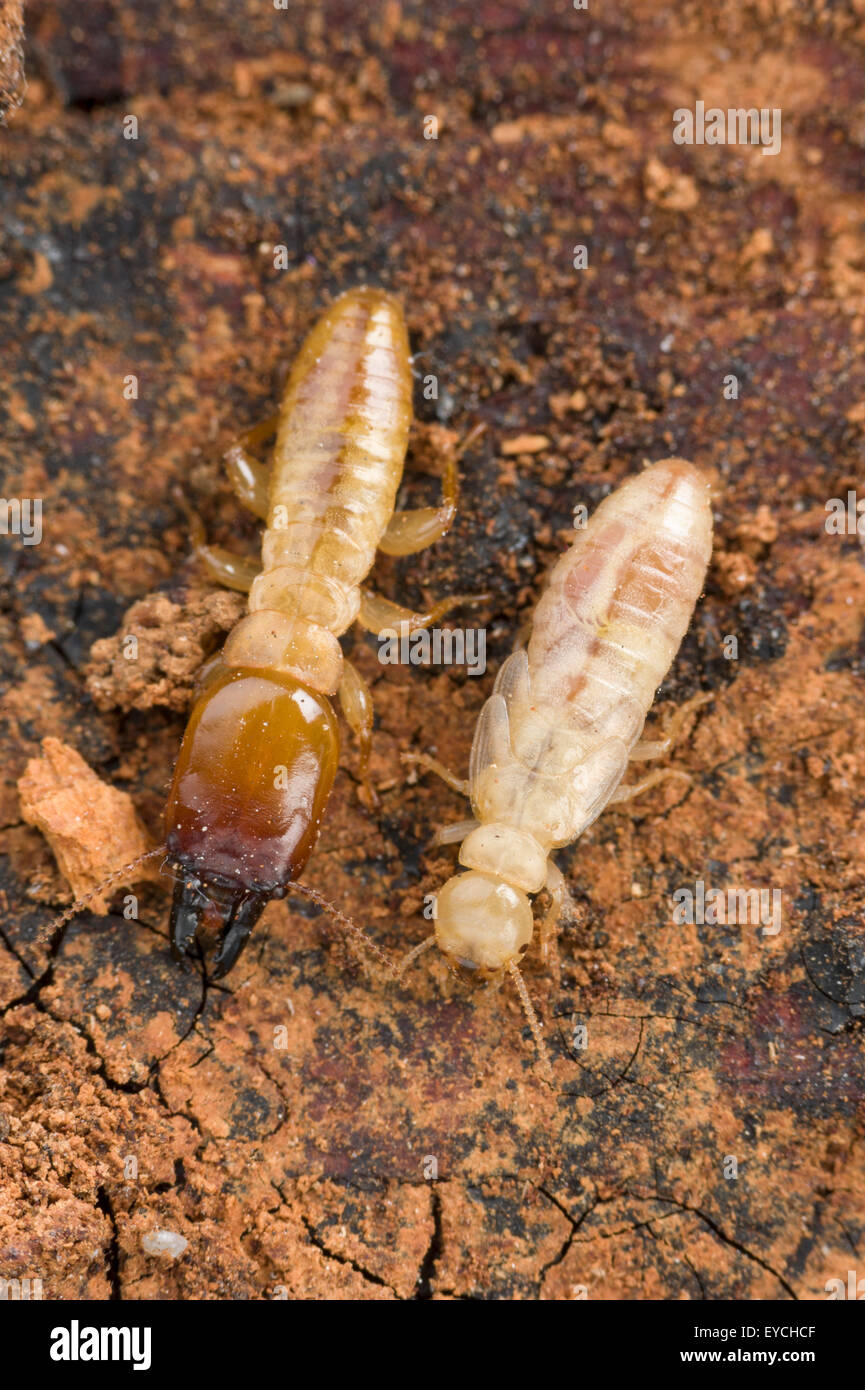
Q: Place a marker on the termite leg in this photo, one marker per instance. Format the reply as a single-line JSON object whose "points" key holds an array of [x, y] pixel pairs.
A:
{"points": [[249, 480], [223, 567], [457, 784], [378, 614], [415, 529], [248, 475], [356, 701], [656, 748], [561, 904], [453, 834], [661, 775], [448, 834], [260, 433]]}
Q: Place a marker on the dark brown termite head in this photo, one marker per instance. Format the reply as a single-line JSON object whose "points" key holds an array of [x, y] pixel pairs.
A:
{"points": [[252, 780]]}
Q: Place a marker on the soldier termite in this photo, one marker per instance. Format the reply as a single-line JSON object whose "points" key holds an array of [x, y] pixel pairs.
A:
{"points": [[565, 717], [260, 751]]}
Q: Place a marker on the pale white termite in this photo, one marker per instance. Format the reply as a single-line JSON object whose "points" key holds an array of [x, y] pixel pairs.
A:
{"points": [[554, 738]]}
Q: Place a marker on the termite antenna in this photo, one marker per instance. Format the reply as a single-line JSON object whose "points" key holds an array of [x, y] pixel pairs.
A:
{"points": [[351, 927], [413, 954], [119, 875], [533, 1023]]}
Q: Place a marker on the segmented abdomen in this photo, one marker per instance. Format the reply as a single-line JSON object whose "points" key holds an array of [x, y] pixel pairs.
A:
{"points": [[620, 600], [553, 740], [338, 460]]}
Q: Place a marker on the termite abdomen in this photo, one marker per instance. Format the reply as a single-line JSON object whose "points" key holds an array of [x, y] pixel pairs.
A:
{"points": [[250, 787]]}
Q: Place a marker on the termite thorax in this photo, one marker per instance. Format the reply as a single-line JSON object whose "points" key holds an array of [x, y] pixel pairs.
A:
{"points": [[508, 854]]}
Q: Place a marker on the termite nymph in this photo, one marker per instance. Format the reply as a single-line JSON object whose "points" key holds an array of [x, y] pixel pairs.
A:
{"points": [[260, 751], [553, 740]]}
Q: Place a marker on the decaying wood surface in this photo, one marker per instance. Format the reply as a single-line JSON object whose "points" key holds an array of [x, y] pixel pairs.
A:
{"points": [[305, 1126]]}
